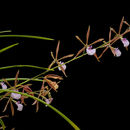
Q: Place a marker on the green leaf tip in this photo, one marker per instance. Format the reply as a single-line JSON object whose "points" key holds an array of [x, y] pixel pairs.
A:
{"points": [[2, 124], [8, 47], [26, 36], [6, 31]]}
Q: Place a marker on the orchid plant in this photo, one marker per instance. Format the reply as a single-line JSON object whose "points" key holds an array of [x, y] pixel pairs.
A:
{"points": [[16, 94]]}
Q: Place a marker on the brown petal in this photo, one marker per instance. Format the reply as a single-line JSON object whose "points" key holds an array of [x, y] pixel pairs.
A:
{"points": [[22, 100], [67, 56], [52, 63], [12, 108], [80, 51], [113, 30], [62, 69], [114, 40], [125, 22], [99, 40], [88, 34], [57, 49], [3, 116], [96, 57], [54, 76], [43, 85], [52, 55], [7, 82], [4, 96], [5, 108], [127, 31], [121, 24], [103, 52], [37, 106], [52, 84], [110, 34], [113, 51], [27, 89], [80, 40], [16, 78]]}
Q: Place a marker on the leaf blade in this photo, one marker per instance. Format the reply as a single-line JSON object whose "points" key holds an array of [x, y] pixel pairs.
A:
{"points": [[8, 47]]}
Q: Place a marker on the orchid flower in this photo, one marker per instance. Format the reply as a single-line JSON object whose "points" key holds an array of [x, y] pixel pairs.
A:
{"points": [[125, 42], [116, 52], [48, 101], [4, 86], [90, 51], [15, 95], [87, 46], [63, 66], [20, 106], [58, 60]]}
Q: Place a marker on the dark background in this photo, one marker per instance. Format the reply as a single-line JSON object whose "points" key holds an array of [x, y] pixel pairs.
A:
{"points": [[95, 95]]}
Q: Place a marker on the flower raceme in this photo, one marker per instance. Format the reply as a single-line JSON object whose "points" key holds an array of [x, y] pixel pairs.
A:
{"points": [[49, 81]]}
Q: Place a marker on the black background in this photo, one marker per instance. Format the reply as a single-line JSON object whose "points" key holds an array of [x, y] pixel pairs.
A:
{"points": [[95, 95]]}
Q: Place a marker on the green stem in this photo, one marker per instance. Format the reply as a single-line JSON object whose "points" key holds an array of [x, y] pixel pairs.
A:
{"points": [[30, 79], [26, 36], [50, 106], [51, 69]]}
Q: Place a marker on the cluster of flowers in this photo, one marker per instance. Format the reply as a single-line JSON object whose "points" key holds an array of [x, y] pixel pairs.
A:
{"points": [[14, 96], [118, 36], [88, 49]]}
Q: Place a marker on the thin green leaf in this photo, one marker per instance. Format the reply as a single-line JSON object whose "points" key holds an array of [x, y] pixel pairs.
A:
{"points": [[6, 31], [22, 66], [8, 47], [26, 36], [2, 124]]}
